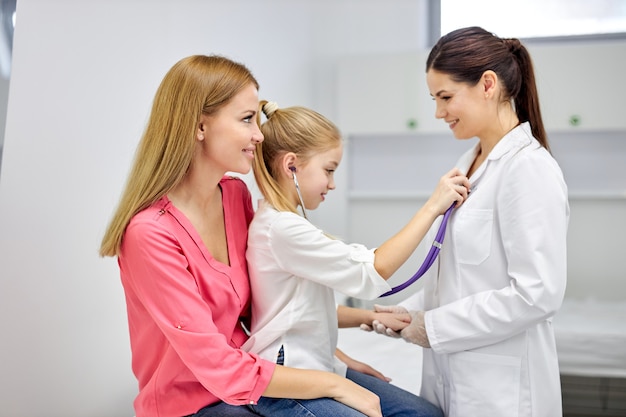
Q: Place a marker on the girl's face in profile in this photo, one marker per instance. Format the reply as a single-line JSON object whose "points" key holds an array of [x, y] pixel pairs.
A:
{"points": [[460, 105], [316, 177]]}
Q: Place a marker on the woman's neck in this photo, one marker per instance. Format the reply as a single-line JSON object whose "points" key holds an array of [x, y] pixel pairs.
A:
{"points": [[506, 121], [197, 188]]}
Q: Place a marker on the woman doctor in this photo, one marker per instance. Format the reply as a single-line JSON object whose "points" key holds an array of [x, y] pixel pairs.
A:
{"points": [[486, 317]]}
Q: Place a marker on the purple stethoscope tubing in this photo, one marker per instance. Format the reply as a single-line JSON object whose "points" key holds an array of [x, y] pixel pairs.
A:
{"points": [[430, 257]]}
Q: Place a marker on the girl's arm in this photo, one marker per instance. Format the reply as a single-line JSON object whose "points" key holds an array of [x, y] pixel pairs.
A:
{"points": [[452, 187], [354, 317]]}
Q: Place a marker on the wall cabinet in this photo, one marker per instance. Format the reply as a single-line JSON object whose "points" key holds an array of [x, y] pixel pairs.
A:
{"points": [[581, 86], [385, 94]]}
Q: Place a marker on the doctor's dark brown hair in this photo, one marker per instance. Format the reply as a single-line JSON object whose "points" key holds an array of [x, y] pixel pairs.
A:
{"points": [[465, 54]]}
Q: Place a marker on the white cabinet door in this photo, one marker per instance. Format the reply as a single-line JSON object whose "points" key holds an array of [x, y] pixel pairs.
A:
{"points": [[581, 86], [385, 94]]}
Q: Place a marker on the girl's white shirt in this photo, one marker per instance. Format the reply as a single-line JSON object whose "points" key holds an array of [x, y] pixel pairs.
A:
{"points": [[499, 280], [294, 270]]}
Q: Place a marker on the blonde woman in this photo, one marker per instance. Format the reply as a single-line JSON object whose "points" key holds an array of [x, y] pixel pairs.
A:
{"points": [[180, 234]]}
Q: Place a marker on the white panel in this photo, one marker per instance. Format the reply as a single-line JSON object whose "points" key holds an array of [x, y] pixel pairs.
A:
{"points": [[372, 221], [410, 165], [592, 162]]}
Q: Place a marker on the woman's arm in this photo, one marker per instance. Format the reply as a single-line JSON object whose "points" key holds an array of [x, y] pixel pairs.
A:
{"points": [[309, 384]]}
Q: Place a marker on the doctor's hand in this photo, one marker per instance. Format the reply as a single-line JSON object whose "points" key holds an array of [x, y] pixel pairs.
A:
{"points": [[416, 331], [383, 326], [452, 187]]}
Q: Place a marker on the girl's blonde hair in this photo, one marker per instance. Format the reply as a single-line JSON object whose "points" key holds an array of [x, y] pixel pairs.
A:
{"points": [[194, 85], [293, 129]]}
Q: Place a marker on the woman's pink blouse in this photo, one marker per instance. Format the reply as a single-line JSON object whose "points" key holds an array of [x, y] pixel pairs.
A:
{"points": [[185, 310]]}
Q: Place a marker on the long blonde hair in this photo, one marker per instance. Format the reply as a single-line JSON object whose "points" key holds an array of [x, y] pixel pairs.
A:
{"points": [[194, 85], [293, 129]]}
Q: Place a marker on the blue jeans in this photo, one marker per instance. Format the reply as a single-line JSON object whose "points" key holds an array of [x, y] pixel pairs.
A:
{"points": [[222, 409], [395, 402]]}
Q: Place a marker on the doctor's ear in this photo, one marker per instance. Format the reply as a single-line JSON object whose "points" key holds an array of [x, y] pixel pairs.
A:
{"points": [[489, 82]]}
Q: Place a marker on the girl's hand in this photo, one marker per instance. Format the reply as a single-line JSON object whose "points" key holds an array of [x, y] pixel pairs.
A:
{"points": [[393, 321], [378, 326], [360, 366], [453, 186]]}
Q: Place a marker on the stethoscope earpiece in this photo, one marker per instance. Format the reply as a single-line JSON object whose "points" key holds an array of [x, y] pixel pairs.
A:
{"points": [[295, 181]]}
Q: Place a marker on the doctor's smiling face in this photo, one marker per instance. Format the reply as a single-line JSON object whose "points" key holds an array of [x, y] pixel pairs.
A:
{"points": [[459, 104]]}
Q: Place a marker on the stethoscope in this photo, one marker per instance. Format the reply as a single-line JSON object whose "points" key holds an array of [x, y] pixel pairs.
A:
{"points": [[295, 181], [430, 257]]}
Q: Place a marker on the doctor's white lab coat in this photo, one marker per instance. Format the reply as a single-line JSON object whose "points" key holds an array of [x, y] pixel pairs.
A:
{"points": [[500, 278]]}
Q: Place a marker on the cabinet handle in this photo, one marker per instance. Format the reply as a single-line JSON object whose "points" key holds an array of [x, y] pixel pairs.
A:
{"points": [[574, 120]]}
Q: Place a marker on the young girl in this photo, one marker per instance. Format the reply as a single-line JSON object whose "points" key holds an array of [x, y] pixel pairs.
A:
{"points": [[295, 267]]}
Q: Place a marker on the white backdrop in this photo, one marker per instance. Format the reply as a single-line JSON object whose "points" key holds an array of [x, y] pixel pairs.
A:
{"points": [[84, 73]]}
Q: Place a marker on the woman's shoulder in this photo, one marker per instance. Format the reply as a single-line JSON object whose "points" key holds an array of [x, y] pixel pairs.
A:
{"points": [[234, 183], [236, 196], [152, 212], [149, 222]]}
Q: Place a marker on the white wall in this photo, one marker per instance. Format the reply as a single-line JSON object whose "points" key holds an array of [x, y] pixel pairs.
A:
{"points": [[84, 73], [83, 77], [4, 95]]}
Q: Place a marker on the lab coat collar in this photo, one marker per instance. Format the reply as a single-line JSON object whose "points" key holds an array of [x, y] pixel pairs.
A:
{"points": [[520, 137]]}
